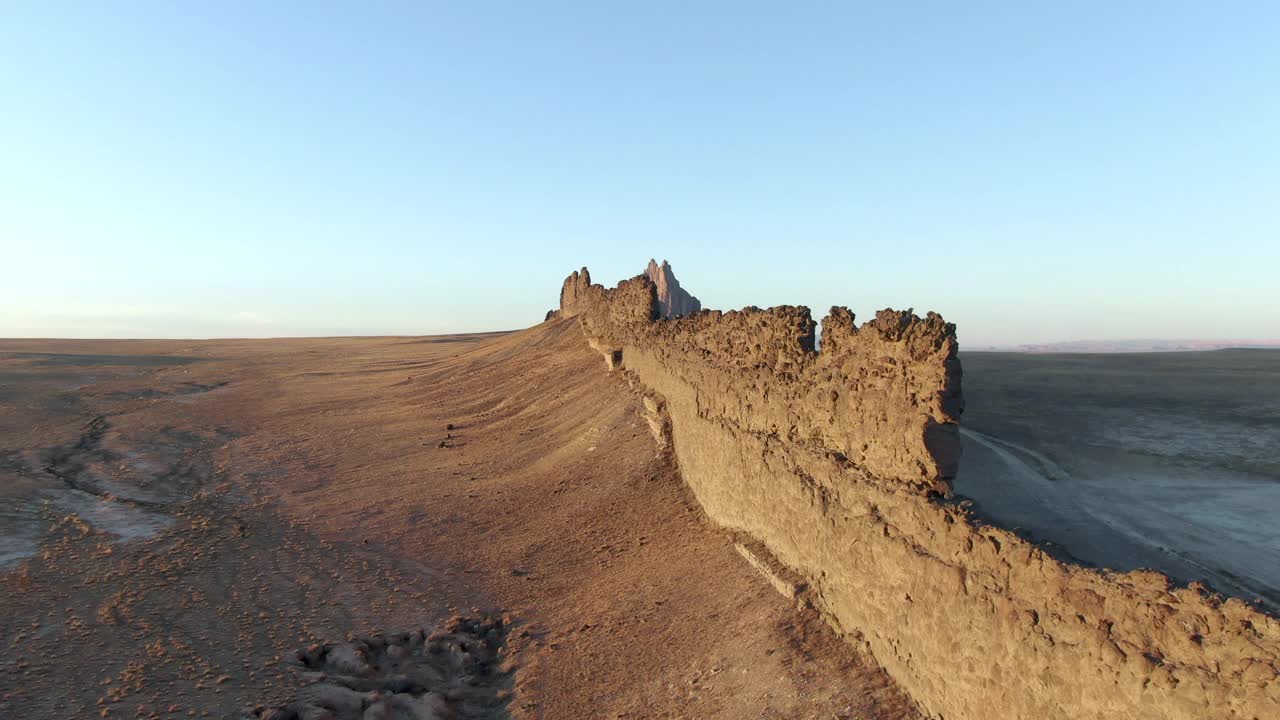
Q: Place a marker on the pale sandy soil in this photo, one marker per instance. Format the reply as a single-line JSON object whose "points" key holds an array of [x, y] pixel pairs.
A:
{"points": [[198, 511]]}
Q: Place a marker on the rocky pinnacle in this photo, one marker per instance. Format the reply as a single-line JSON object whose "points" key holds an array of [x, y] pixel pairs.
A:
{"points": [[673, 300]]}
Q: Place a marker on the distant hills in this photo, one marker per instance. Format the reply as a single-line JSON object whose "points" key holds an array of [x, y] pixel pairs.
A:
{"points": [[1129, 346]]}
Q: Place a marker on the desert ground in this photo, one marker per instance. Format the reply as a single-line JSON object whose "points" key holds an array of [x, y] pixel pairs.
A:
{"points": [[1168, 461], [212, 528]]}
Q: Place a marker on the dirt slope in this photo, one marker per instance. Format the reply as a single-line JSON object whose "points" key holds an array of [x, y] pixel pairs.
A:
{"points": [[310, 489]]}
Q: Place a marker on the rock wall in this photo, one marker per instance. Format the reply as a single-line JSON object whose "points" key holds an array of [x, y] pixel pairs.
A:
{"points": [[836, 464]]}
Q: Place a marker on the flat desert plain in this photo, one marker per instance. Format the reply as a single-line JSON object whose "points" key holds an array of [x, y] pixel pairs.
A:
{"points": [[197, 529], [1168, 461]]}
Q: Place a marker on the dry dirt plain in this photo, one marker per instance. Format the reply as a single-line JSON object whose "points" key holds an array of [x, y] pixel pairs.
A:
{"points": [[178, 519]]}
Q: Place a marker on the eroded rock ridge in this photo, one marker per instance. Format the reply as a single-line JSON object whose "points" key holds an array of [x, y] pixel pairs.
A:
{"points": [[836, 464]]}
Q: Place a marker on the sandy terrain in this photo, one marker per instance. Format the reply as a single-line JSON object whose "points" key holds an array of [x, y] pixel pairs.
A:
{"points": [[197, 528], [1166, 461]]}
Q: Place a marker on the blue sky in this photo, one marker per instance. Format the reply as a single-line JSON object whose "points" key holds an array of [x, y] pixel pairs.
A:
{"points": [[1094, 170]]}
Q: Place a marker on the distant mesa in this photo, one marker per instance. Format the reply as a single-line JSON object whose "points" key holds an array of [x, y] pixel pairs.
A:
{"points": [[673, 300]]}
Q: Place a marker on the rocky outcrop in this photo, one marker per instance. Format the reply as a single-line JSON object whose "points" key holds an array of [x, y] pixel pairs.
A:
{"points": [[574, 291], [885, 396], [836, 466], [673, 300], [455, 672]]}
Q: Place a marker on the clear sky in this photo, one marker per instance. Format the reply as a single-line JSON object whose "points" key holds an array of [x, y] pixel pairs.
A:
{"points": [[1034, 171]]}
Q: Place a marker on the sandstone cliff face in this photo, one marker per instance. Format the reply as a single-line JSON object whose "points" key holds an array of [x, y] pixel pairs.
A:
{"points": [[833, 462], [673, 300]]}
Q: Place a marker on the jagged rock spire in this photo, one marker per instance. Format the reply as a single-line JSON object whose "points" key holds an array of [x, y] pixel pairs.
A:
{"points": [[673, 300]]}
